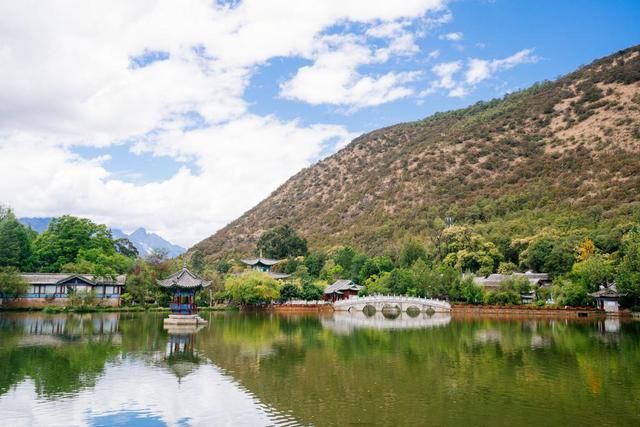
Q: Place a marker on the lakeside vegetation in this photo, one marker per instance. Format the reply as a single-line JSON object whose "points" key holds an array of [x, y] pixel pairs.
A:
{"points": [[444, 268], [440, 266]]}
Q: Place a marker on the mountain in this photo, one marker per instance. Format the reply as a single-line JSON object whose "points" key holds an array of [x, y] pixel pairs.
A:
{"points": [[564, 154], [144, 241]]}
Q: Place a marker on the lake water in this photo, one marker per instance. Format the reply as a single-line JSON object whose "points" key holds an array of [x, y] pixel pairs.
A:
{"points": [[337, 370]]}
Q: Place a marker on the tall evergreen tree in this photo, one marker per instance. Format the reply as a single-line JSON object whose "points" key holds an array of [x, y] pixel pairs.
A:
{"points": [[15, 242]]}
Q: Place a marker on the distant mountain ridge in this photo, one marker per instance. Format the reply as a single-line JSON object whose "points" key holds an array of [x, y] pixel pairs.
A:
{"points": [[509, 167], [144, 241]]}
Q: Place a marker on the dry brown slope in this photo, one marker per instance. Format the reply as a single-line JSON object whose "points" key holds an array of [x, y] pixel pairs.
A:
{"points": [[571, 143]]}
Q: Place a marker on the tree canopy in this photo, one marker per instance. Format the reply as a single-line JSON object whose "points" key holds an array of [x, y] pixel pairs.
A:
{"points": [[281, 242]]}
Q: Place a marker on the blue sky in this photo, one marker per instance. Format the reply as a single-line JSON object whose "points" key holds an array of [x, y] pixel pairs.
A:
{"points": [[178, 117]]}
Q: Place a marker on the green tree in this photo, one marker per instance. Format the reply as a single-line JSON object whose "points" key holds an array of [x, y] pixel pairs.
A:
{"points": [[344, 257], [594, 271], [567, 292], [628, 279], [310, 292], [411, 251], [11, 283], [281, 242], [289, 291], [197, 261], [252, 288], [314, 262], [550, 253], [470, 252], [375, 265], [15, 242], [65, 237]]}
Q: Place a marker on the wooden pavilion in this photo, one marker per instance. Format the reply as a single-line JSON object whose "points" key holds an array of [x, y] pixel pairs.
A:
{"points": [[184, 286]]}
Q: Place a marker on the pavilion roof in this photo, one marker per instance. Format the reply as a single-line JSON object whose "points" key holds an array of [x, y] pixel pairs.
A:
{"points": [[342, 285], [260, 260], [184, 279], [609, 292]]}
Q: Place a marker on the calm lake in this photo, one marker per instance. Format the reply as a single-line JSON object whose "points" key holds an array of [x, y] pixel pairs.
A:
{"points": [[268, 369]]}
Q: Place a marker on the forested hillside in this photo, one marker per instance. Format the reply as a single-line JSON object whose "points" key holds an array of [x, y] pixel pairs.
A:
{"points": [[559, 158]]}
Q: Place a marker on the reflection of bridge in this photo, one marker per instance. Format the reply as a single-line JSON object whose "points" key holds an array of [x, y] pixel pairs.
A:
{"points": [[392, 302], [345, 323]]}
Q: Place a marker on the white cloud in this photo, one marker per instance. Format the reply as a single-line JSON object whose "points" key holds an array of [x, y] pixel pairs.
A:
{"points": [[434, 54], [480, 69], [477, 70], [334, 78], [68, 81], [454, 37]]}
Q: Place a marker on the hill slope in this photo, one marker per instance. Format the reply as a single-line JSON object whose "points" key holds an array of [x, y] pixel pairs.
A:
{"points": [[563, 153]]}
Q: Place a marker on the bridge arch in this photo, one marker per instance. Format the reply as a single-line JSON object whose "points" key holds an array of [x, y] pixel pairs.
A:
{"points": [[403, 303]]}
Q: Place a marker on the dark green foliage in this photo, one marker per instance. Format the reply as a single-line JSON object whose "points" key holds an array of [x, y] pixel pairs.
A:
{"points": [[571, 293], [411, 251], [549, 253], [310, 292], [628, 280], [344, 257], [223, 267], [594, 271], [12, 285], [288, 292], [281, 242], [15, 242], [66, 236], [314, 262], [197, 261]]}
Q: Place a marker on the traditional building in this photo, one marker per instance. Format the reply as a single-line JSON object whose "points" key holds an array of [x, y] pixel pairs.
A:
{"points": [[608, 298], [183, 286], [264, 265], [341, 289], [55, 288], [492, 283]]}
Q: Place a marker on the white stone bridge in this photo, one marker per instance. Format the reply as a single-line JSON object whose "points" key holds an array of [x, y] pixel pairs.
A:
{"points": [[392, 302]]}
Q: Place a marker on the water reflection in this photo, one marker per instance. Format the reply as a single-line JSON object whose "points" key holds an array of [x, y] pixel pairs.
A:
{"points": [[344, 322], [267, 369], [181, 355]]}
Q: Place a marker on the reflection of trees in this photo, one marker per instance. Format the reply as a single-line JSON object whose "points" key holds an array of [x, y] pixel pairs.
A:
{"points": [[55, 370], [64, 353], [488, 371]]}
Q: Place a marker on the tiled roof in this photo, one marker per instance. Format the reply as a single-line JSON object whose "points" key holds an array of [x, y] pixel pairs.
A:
{"points": [[55, 278], [494, 280], [342, 285], [263, 261], [610, 292], [183, 279]]}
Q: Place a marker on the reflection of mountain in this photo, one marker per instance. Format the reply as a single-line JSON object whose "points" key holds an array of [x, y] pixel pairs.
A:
{"points": [[346, 322], [249, 369], [450, 373]]}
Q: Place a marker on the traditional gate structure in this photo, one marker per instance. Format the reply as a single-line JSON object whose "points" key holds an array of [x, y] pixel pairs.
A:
{"points": [[392, 302]]}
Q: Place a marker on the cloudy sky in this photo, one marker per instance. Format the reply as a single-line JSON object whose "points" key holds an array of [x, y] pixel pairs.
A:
{"points": [[178, 116]]}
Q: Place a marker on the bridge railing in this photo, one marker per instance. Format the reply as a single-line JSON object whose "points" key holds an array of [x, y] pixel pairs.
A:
{"points": [[393, 299]]}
